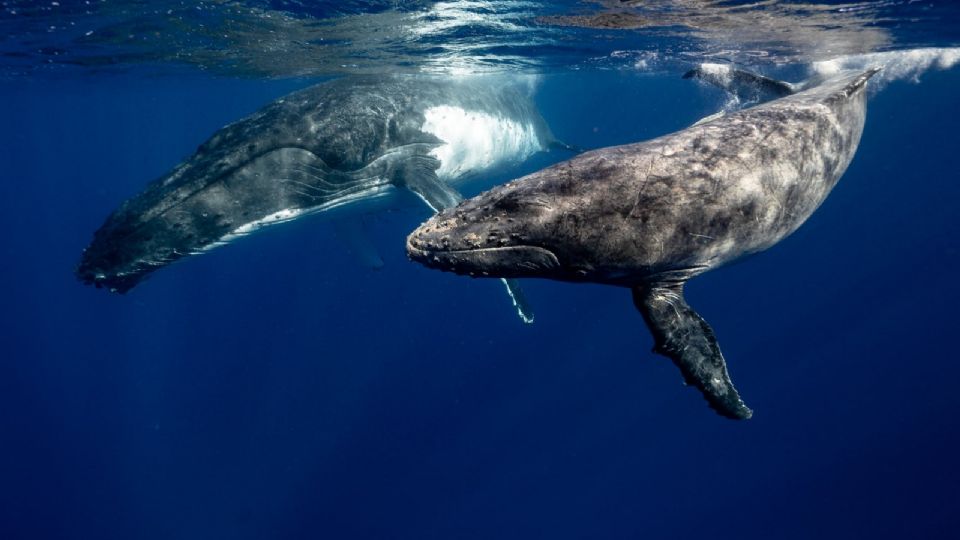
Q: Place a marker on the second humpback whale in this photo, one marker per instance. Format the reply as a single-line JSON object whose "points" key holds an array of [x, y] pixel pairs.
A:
{"points": [[331, 145], [652, 215]]}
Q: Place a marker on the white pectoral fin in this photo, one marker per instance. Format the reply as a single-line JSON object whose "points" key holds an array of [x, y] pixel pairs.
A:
{"points": [[524, 311], [420, 177], [353, 234]]}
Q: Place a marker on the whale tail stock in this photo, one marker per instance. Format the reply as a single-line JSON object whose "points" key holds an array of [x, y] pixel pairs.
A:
{"points": [[682, 335]]}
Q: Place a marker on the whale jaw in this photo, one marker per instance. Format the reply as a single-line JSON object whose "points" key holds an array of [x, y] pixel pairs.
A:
{"points": [[501, 262]]}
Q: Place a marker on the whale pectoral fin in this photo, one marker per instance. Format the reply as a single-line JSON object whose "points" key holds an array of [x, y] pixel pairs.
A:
{"points": [[560, 145], [419, 174], [680, 334], [420, 177], [352, 233], [524, 310]]}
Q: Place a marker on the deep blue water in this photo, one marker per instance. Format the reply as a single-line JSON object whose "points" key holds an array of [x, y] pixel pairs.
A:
{"points": [[278, 389]]}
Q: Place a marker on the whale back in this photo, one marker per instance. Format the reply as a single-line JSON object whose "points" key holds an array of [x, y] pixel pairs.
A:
{"points": [[707, 195]]}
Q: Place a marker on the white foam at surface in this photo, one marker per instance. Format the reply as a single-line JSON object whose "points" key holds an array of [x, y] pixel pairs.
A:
{"points": [[475, 141], [896, 65], [642, 60]]}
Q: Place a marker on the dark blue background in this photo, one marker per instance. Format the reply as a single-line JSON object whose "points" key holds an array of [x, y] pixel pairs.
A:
{"points": [[278, 389]]}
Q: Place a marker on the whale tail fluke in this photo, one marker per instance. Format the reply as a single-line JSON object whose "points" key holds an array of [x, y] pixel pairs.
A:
{"points": [[682, 335], [752, 88], [748, 87]]}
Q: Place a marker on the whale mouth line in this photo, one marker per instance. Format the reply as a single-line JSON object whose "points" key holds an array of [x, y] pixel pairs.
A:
{"points": [[496, 261], [505, 249]]}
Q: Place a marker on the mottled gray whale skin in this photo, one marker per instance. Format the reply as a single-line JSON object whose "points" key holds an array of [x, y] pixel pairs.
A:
{"points": [[330, 145], [652, 215]]}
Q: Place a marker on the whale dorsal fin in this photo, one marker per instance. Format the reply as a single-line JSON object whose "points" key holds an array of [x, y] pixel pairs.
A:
{"points": [[682, 335], [749, 87], [419, 175]]}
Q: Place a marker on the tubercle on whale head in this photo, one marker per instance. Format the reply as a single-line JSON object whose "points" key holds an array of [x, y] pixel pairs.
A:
{"points": [[492, 235]]}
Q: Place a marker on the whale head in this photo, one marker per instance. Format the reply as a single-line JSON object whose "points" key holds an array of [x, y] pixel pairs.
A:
{"points": [[202, 204], [150, 231], [114, 262], [507, 232]]}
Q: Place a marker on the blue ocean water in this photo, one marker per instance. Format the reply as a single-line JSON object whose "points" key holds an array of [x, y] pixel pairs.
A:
{"points": [[276, 388]]}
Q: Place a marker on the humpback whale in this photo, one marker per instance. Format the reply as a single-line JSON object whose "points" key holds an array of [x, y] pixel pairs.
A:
{"points": [[652, 215], [328, 146]]}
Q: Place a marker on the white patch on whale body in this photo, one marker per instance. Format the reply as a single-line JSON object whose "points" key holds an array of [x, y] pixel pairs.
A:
{"points": [[475, 141], [896, 65], [289, 214], [282, 216]]}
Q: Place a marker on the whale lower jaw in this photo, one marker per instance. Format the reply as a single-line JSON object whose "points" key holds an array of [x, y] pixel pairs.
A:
{"points": [[502, 262]]}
